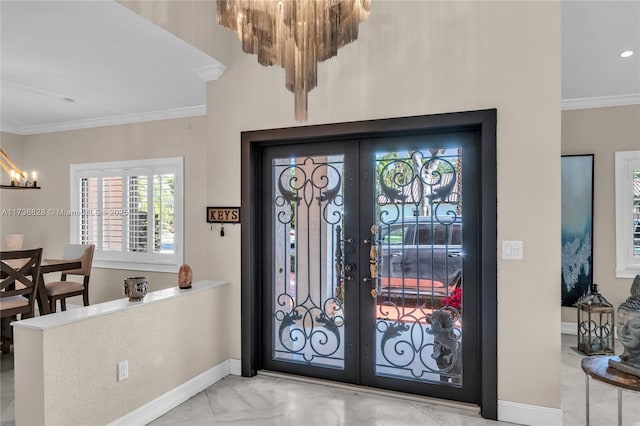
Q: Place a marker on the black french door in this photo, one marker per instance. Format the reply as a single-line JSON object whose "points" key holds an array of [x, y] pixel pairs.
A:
{"points": [[370, 262]]}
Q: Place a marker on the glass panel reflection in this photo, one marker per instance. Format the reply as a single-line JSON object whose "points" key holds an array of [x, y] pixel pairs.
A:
{"points": [[419, 233], [308, 297]]}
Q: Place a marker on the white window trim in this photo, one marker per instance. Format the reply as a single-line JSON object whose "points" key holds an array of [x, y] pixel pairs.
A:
{"points": [[627, 265], [171, 264]]}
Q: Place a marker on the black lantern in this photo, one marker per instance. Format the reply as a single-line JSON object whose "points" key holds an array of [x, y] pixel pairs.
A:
{"points": [[595, 324]]}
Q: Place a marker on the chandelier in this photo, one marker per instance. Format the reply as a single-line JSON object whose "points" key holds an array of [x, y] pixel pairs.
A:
{"points": [[19, 179], [295, 34]]}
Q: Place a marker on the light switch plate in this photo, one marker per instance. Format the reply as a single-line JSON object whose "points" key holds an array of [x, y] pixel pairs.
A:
{"points": [[123, 370], [512, 250]]}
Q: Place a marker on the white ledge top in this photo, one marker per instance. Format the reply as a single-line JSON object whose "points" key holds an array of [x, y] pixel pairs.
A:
{"points": [[58, 319]]}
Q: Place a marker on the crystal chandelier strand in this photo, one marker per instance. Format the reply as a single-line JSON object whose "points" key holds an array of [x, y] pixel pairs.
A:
{"points": [[295, 34]]}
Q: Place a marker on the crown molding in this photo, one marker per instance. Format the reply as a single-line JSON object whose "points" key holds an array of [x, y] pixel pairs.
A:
{"points": [[112, 121], [601, 102], [10, 129], [210, 72]]}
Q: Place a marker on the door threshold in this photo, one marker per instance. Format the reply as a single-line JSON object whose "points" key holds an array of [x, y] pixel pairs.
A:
{"points": [[374, 391]]}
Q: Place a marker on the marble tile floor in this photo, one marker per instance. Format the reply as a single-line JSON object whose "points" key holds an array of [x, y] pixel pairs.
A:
{"points": [[265, 401]]}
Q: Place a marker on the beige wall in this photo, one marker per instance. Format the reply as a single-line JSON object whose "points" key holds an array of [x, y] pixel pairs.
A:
{"points": [[190, 20], [411, 58], [54, 152], [602, 132], [415, 58], [72, 367], [10, 223], [13, 146]]}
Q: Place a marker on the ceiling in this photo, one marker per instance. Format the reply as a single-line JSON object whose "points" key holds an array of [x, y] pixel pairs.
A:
{"points": [[77, 64], [594, 33]]}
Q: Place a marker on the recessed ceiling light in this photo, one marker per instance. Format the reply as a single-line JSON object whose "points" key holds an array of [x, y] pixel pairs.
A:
{"points": [[626, 53]]}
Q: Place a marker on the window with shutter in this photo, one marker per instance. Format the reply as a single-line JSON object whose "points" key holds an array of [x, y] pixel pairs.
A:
{"points": [[132, 211], [627, 210]]}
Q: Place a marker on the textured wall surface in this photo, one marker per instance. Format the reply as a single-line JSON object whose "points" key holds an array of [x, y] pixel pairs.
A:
{"points": [[166, 342]]}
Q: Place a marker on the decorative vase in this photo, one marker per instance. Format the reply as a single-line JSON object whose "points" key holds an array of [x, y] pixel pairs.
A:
{"points": [[135, 288], [13, 241], [185, 276]]}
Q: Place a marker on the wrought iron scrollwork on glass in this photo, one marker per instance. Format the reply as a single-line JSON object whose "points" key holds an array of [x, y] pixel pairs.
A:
{"points": [[424, 182], [309, 183], [404, 342], [419, 333], [308, 331], [309, 319]]}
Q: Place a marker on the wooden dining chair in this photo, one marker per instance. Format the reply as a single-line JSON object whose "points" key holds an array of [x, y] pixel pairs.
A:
{"points": [[63, 289], [20, 272]]}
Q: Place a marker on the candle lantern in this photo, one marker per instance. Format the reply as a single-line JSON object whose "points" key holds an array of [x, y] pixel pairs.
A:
{"points": [[595, 324]]}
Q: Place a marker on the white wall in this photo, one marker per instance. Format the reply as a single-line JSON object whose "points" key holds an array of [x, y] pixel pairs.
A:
{"points": [[411, 58]]}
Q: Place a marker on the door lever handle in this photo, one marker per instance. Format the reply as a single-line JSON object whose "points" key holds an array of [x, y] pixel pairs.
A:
{"points": [[340, 269], [373, 258], [371, 241]]}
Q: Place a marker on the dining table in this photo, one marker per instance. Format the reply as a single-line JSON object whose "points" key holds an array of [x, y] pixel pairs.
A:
{"points": [[48, 266]]}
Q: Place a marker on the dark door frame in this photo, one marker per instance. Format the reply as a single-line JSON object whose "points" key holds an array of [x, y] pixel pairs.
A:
{"points": [[252, 142]]}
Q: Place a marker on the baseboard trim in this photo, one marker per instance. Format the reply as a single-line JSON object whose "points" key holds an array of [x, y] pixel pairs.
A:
{"points": [[513, 412], [164, 403], [569, 328], [531, 415], [235, 367]]}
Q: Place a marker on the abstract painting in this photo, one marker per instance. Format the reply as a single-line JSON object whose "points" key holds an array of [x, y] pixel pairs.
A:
{"points": [[577, 227]]}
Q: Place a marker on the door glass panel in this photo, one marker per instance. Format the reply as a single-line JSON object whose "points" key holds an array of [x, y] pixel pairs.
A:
{"points": [[419, 280], [308, 296]]}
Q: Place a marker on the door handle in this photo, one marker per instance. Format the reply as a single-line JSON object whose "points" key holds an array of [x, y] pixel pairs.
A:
{"points": [[373, 261], [371, 241], [340, 269], [455, 255]]}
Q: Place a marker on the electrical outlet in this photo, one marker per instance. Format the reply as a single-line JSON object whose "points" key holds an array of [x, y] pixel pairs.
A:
{"points": [[123, 370]]}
